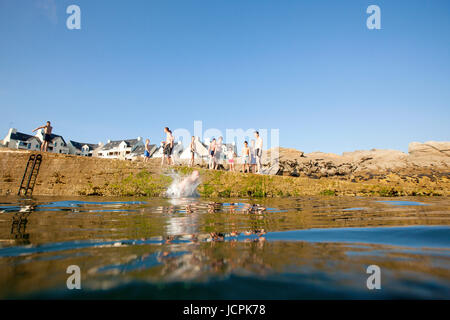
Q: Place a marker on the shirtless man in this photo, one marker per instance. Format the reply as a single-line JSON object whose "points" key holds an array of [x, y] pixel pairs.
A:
{"points": [[186, 185], [212, 151], [168, 146], [47, 135]]}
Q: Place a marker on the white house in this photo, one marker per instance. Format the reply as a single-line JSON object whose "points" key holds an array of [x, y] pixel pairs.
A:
{"points": [[84, 149], [57, 144], [201, 151], [177, 150], [119, 149], [159, 151], [19, 140]]}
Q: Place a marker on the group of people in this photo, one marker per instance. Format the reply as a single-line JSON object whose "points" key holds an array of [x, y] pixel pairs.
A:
{"points": [[215, 150], [167, 148], [251, 154]]}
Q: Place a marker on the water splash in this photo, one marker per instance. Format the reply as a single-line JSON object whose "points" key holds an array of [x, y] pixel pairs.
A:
{"points": [[184, 186]]}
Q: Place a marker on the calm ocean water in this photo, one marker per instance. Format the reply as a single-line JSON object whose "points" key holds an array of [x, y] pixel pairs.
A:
{"points": [[302, 248]]}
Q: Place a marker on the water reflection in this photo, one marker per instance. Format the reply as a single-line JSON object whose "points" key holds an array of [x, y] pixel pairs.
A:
{"points": [[19, 224], [321, 244]]}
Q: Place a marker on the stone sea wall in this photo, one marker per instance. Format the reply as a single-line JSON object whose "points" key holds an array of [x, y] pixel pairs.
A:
{"points": [[425, 170]]}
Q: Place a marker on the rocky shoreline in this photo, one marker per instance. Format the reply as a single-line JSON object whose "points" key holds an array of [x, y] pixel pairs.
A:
{"points": [[432, 158], [424, 171]]}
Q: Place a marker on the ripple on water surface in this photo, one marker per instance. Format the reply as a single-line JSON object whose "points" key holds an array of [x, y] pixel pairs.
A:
{"points": [[225, 248]]}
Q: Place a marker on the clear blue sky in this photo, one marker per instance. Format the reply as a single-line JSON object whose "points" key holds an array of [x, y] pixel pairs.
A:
{"points": [[310, 68]]}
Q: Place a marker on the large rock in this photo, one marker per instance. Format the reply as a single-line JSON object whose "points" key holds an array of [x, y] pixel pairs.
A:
{"points": [[376, 159], [431, 155], [430, 148]]}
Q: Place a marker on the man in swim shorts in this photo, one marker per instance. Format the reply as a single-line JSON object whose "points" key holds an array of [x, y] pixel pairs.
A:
{"points": [[212, 151], [47, 135]]}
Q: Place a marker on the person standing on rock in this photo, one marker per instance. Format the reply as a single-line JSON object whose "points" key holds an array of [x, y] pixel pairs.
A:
{"points": [[47, 135], [168, 147], [245, 157], [231, 155], [212, 151], [258, 151], [218, 153], [147, 150], [193, 149]]}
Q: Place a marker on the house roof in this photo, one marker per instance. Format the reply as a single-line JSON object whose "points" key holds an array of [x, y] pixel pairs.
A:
{"points": [[158, 151], [114, 144], [139, 150], [22, 136], [79, 145], [202, 148]]}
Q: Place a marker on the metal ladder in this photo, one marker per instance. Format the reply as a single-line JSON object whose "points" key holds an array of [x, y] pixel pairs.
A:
{"points": [[30, 175], [19, 225]]}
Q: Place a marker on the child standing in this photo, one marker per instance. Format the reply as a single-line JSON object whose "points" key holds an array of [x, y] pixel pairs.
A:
{"points": [[246, 157], [231, 154], [147, 150]]}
